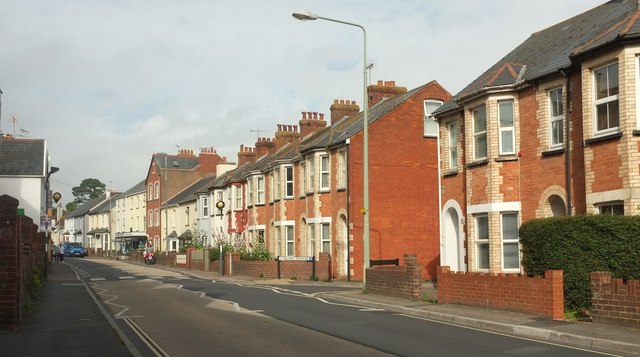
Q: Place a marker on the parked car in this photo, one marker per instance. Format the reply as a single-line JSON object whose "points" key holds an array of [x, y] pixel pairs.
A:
{"points": [[74, 249]]}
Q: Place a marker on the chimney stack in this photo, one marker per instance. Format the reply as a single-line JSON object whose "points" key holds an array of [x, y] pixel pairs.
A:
{"points": [[264, 146], [341, 108], [383, 90], [246, 155], [311, 122], [209, 159], [286, 134]]}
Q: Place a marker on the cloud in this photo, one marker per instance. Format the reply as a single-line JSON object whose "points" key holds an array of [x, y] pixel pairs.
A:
{"points": [[109, 83]]}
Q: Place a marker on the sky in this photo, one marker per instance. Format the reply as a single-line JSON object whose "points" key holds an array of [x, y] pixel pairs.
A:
{"points": [[108, 83]]}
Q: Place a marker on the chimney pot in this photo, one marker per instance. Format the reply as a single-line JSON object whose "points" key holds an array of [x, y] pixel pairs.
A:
{"points": [[304, 115], [321, 116], [380, 83]]}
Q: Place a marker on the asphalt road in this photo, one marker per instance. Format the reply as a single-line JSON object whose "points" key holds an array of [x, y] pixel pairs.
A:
{"points": [[168, 314]]}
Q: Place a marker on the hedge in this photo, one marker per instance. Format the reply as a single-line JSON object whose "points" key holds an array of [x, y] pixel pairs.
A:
{"points": [[579, 245]]}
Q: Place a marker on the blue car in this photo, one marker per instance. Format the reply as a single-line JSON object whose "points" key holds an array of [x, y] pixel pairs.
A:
{"points": [[74, 250]]}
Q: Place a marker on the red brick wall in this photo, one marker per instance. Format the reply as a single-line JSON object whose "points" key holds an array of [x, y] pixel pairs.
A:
{"points": [[613, 301], [403, 187], [398, 281], [21, 256], [300, 270], [513, 292]]}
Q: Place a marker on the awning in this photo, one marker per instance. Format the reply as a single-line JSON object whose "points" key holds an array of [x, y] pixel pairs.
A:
{"points": [[98, 231]]}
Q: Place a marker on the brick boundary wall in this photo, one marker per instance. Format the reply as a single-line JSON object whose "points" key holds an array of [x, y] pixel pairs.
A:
{"points": [[537, 295], [614, 302], [268, 269], [22, 250], [397, 281]]}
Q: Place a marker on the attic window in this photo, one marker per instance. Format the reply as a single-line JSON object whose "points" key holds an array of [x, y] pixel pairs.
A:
{"points": [[430, 125], [175, 163]]}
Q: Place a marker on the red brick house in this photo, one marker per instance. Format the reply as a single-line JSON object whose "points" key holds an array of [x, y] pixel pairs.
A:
{"points": [[301, 193], [168, 175], [551, 129]]}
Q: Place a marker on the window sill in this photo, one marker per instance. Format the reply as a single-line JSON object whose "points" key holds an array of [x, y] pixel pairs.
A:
{"points": [[477, 163], [324, 190], [553, 152], [506, 158], [448, 173], [341, 189], [599, 139]]}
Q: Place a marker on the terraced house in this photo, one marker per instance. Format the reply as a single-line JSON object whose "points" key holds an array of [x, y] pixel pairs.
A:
{"points": [[301, 192], [551, 129]]}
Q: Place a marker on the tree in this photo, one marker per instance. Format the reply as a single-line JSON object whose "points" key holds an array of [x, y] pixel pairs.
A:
{"points": [[89, 188]]}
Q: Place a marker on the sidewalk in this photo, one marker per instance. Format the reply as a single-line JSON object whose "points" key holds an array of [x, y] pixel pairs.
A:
{"points": [[65, 321]]}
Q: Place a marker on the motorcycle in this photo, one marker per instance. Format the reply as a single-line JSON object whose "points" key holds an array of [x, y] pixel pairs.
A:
{"points": [[149, 258]]}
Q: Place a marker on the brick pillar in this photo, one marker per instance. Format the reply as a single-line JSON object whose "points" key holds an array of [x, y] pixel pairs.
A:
{"points": [[557, 293], [413, 275]]}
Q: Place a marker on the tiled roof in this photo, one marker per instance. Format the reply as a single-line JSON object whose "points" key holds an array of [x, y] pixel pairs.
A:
{"points": [[140, 187], [107, 205], [174, 162], [557, 47], [87, 206], [22, 157]]}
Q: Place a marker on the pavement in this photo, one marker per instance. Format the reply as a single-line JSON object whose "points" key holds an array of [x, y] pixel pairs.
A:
{"points": [[66, 319]]}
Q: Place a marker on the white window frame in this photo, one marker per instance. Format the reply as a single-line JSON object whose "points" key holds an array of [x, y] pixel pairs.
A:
{"points": [[342, 169], [250, 192], [277, 184], [289, 239], [509, 239], [205, 206], [312, 174], [610, 99], [272, 187], [325, 236], [156, 218], [430, 125], [237, 195], [482, 242], [556, 117], [288, 182], [150, 192], [311, 238], [453, 145], [156, 194], [616, 207], [507, 127], [303, 178], [260, 190], [479, 134], [325, 165]]}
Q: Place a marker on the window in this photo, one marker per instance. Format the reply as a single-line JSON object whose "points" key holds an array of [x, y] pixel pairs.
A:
{"points": [[507, 130], [482, 241], [480, 133], [288, 172], [187, 218], [277, 183], [312, 174], [453, 145], [430, 125], [510, 246], [260, 190], [289, 239], [273, 187], [326, 238], [157, 218], [205, 206], [311, 236], [150, 192], [612, 208], [342, 169], [250, 191], [157, 190], [556, 112], [150, 219], [303, 175], [607, 116], [238, 197], [324, 172]]}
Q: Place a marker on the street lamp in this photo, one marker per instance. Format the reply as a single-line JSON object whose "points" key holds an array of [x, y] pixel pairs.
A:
{"points": [[304, 16]]}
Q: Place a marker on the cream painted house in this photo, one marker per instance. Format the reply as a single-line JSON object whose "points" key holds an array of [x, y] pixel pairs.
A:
{"points": [[129, 215]]}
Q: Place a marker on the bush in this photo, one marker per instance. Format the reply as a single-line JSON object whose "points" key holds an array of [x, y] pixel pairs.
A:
{"points": [[580, 245]]}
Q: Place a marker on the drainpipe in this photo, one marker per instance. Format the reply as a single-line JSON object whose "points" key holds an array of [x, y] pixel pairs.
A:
{"points": [[567, 115], [348, 218]]}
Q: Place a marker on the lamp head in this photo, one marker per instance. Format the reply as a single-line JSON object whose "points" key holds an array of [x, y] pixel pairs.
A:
{"points": [[304, 15]]}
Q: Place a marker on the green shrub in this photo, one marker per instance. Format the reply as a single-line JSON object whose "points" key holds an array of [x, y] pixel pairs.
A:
{"points": [[580, 245]]}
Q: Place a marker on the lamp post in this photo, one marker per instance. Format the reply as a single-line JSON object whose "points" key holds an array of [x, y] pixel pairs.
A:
{"points": [[304, 16], [52, 171]]}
